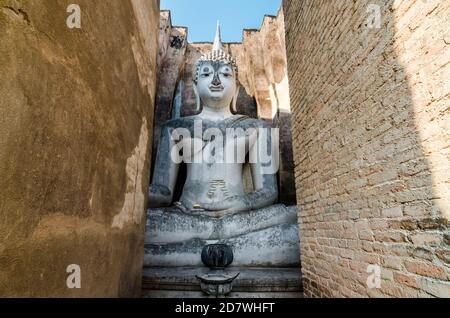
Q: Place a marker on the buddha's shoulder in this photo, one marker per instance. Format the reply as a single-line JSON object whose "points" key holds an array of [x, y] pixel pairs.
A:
{"points": [[243, 121], [185, 122], [236, 121]]}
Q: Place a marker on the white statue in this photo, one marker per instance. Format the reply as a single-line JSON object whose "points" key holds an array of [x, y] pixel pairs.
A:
{"points": [[214, 205]]}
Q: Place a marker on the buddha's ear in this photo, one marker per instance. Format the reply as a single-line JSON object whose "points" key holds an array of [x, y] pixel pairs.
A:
{"points": [[234, 101], [197, 98]]}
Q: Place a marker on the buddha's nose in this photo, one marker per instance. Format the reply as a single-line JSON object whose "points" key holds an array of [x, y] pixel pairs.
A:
{"points": [[216, 80]]}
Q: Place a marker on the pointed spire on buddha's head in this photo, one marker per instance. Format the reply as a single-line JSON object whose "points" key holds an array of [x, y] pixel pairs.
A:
{"points": [[217, 46]]}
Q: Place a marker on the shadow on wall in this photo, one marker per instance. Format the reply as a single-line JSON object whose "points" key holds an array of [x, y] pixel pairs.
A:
{"points": [[370, 131]]}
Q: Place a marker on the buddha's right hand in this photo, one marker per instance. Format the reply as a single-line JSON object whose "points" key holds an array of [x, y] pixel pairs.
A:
{"points": [[159, 196]]}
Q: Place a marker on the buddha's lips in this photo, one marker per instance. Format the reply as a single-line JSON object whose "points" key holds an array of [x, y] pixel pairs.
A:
{"points": [[216, 88]]}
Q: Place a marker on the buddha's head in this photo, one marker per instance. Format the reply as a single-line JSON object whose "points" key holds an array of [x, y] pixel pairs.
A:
{"points": [[215, 78]]}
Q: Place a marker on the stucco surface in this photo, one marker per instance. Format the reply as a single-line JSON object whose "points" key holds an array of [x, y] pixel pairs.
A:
{"points": [[75, 128]]}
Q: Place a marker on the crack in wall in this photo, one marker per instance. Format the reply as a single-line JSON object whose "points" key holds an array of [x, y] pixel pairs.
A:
{"points": [[19, 13]]}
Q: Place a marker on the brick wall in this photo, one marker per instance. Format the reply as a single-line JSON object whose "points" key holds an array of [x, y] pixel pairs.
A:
{"points": [[371, 131]]}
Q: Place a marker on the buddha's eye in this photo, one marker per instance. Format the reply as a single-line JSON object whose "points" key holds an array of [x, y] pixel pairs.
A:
{"points": [[226, 72], [206, 72]]}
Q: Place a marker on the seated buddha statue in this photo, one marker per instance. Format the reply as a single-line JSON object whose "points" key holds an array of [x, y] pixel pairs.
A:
{"points": [[215, 206]]}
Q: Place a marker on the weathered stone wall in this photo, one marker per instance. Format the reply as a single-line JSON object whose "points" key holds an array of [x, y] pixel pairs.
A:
{"points": [[76, 121], [170, 66], [264, 85], [371, 144]]}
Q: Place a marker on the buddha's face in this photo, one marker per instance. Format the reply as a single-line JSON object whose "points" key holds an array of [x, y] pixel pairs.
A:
{"points": [[216, 84]]}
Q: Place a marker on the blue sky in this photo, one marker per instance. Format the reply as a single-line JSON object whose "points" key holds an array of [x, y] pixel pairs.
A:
{"points": [[201, 16]]}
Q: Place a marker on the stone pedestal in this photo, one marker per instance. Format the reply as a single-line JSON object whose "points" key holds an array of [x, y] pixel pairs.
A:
{"points": [[181, 282]]}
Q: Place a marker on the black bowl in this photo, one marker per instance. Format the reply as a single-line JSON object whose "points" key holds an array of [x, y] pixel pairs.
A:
{"points": [[217, 256]]}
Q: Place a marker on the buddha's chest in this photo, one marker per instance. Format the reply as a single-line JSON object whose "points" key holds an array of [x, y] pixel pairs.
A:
{"points": [[207, 142], [214, 182], [215, 150]]}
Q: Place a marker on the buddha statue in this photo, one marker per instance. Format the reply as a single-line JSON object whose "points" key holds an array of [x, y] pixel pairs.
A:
{"points": [[215, 206]]}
